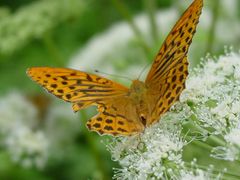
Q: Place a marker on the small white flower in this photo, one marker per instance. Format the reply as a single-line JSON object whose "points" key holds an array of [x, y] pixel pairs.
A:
{"points": [[27, 147], [17, 117], [197, 175], [233, 136], [228, 152], [221, 110], [14, 111]]}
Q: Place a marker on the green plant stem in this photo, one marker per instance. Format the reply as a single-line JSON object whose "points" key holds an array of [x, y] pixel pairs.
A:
{"points": [[52, 49], [213, 27], [179, 7], [203, 145], [213, 138], [209, 148], [217, 140], [196, 126], [150, 8], [119, 5], [94, 148]]}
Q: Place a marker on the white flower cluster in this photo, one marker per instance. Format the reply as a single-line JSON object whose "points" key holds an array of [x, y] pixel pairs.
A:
{"points": [[213, 93], [28, 143], [17, 118], [157, 152], [211, 103], [33, 21], [28, 147]]}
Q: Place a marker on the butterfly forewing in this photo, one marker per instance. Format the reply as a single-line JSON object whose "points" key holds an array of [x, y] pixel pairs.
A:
{"points": [[75, 86], [177, 43], [167, 76]]}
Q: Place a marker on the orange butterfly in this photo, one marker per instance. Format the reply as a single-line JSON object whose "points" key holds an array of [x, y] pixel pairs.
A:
{"points": [[122, 110]]}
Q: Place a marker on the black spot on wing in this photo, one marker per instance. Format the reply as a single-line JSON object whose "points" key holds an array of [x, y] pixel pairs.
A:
{"points": [[109, 128], [53, 85], [121, 130], [120, 122], [109, 121], [99, 119], [89, 78], [60, 91], [97, 125]]}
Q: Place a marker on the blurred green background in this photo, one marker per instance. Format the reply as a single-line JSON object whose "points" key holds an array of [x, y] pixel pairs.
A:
{"points": [[41, 138]]}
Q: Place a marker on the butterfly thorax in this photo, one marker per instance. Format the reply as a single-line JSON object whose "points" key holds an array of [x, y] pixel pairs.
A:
{"points": [[138, 94], [137, 90]]}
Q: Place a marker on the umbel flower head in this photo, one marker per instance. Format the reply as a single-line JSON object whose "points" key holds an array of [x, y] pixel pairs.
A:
{"points": [[27, 142], [207, 115], [25, 146]]}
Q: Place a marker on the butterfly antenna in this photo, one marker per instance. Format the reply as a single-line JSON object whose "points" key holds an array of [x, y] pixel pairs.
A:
{"points": [[114, 75], [142, 71]]}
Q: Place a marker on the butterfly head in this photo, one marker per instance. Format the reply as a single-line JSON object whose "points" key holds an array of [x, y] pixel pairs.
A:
{"points": [[138, 87], [138, 91]]}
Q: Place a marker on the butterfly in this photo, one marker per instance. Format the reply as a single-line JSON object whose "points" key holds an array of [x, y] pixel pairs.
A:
{"points": [[121, 110]]}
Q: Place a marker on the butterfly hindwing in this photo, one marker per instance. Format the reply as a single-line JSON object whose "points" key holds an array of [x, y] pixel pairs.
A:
{"points": [[116, 117]]}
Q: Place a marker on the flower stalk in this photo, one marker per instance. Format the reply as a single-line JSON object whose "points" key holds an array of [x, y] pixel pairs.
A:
{"points": [[150, 7], [211, 37], [123, 10]]}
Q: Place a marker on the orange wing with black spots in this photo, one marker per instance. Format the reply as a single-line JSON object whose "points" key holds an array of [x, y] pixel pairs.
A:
{"points": [[80, 88], [117, 116], [167, 76]]}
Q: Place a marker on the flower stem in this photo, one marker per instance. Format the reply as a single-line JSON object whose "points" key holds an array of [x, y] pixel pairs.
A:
{"points": [[52, 49], [217, 140], [150, 8], [195, 127], [213, 27], [94, 148], [203, 145], [209, 148], [212, 138], [123, 10]]}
